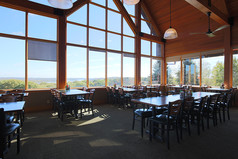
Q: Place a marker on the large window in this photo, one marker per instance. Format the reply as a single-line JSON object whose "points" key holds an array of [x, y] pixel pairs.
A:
{"points": [[213, 69], [12, 74], [191, 71], [41, 50], [96, 68], [128, 69], [173, 72], [76, 66], [235, 68], [113, 69], [156, 71], [145, 70]]}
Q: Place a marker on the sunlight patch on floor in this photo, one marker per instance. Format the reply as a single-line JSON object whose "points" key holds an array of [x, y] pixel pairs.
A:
{"points": [[95, 120], [103, 143]]}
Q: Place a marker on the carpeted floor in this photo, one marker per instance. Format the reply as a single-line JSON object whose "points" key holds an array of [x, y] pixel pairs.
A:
{"points": [[108, 135]]}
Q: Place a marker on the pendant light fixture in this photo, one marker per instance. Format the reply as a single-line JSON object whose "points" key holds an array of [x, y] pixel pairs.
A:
{"points": [[170, 33], [61, 4], [131, 2]]}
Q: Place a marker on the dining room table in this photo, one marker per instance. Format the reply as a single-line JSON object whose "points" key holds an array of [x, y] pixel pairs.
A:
{"points": [[220, 90], [13, 107], [73, 95]]}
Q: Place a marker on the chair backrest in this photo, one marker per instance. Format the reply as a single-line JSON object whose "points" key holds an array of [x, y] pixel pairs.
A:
{"points": [[202, 103], [228, 99], [9, 98], [174, 108], [151, 94], [214, 99], [85, 88], [188, 104], [120, 90], [92, 93]]}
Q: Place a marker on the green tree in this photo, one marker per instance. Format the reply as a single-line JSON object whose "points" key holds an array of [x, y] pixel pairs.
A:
{"points": [[218, 74], [12, 84], [156, 75], [235, 72]]}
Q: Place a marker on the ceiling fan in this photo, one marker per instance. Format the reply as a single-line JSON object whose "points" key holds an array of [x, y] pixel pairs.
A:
{"points": [[210, 33]]}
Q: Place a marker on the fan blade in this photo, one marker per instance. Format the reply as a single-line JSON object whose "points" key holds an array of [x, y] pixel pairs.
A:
{"points": [[196, 33], [210, 35], [220, 28]]}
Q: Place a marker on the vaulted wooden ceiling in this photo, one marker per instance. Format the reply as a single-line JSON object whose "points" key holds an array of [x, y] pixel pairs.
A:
{"points": [[187, 19]]}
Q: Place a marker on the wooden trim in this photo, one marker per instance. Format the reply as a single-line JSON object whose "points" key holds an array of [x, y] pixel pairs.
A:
{"points": [[76, 5], [106, 67], [181, 71], [151, 18], [32, 7], [127, 17], [216, 15], [200, 80], [26, 52], [87, 76]]}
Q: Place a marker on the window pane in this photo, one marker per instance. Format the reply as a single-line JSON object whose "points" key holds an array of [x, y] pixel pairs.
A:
{"points": [[126, 29], [156, 49], [96, 38], [42, 27], [114, 41], [213, 71], [114, 69], [145, 70], [12, 21], [79, 16], [41, 74], [12, 74], [235, 69], [191, 71], [128, 44], [76, 66], [96, 68], [96, 16], [128, 70], [173, 72], [112, 5], [76, 34], [114, 21], [145, 27], [145, 47], [130, 9], [156, 71], [102, 2]]}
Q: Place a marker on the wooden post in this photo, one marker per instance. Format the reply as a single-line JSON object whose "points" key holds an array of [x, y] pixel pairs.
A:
{"points": [[228, 58], [138, 45], [62, 52]]}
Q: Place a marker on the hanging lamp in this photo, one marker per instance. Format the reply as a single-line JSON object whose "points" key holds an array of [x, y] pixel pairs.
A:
{"points": [[170, 33], [131, 2], [61, 4]]}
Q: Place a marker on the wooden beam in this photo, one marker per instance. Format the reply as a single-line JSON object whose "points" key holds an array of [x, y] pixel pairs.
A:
{"points": [[228, 58], [151, 18], [32, 7], [150, 38], [78, 4], [62, 52], [138, 45], [125, 14], [216, 15]]}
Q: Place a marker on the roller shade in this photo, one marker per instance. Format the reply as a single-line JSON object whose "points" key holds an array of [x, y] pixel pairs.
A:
{"points": [[44, 51], [128, 55], [213, 53]]}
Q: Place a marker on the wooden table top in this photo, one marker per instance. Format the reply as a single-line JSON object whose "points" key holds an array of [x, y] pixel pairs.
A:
{"points": [[164, 100], [12, 106], [218, 89], [73, 92]]}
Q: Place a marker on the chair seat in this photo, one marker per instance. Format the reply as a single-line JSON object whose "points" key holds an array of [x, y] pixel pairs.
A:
{"points": [[162, 118], [143, 112], [10, 128], [85, 101], [9, 118]]}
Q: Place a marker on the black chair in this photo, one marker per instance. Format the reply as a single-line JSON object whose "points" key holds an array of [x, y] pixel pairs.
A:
{"points": [[212, 108], [168, 120], [198, 113], [124, 98], [186, 113], [225, 106], [8, 132], [9, 98], [87, 103]]}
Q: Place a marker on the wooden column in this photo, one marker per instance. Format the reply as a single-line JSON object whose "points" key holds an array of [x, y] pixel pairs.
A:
{"points": [[62, 52], [228, 58], [138, 45], [163, 66]]}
